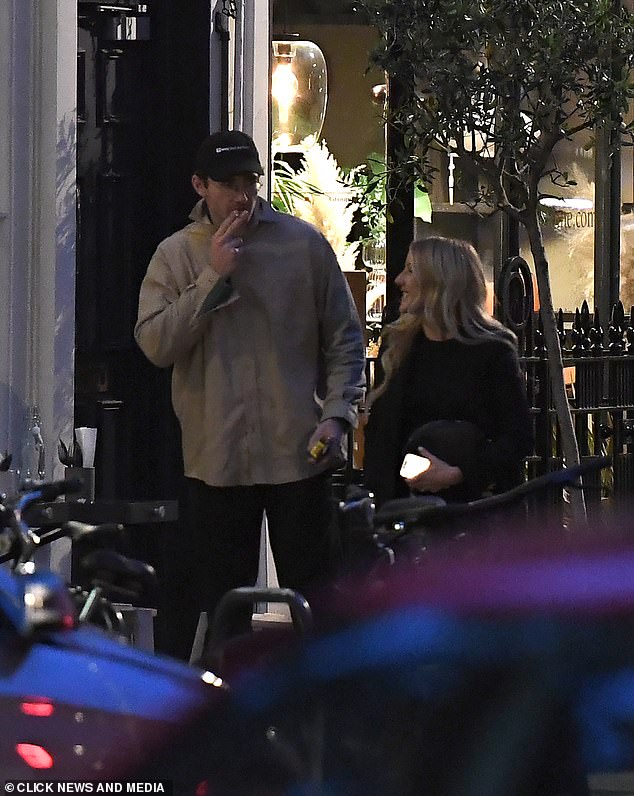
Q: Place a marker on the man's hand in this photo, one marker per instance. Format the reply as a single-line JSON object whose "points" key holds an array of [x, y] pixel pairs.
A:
{"points": [[325, 444], [438, 476], [226, 243]]}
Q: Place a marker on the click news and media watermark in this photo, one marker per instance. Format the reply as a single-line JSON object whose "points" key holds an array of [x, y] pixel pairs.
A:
{"points": [[24, 786]]}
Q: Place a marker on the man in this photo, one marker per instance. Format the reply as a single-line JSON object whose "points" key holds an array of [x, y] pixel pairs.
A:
{"points": [[251, 309]]}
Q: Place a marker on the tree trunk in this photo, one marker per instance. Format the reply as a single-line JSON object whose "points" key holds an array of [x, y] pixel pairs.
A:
{"points": [[556, 368]]}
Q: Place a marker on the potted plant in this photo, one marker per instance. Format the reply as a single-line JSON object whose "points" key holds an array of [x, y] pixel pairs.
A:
{"points": [[369, 184], [319, 192]]}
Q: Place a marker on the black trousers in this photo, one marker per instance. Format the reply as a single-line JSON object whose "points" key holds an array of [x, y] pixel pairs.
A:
{"points": [[219, 543]]}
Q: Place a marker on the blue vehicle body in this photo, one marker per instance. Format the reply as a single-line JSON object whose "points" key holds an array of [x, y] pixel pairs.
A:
{"points": [[76, 703]]}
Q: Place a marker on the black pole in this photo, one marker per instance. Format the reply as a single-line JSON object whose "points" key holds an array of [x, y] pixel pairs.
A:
{"points": [[400, 202], [221, 31]]}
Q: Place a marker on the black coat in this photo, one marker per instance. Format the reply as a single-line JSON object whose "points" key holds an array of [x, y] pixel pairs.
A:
{"points": [[451, 380]]}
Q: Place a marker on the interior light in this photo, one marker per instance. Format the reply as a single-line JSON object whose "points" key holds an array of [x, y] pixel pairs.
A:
{"points": [[284, 141], [34, 756], [299, 93], [573, 203], [378, 94], [284, 86]]}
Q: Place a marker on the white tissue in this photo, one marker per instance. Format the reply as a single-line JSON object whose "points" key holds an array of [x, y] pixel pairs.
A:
{"points": [[87, 440]]}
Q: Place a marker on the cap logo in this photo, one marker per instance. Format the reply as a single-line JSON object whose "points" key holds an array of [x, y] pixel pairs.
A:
{"points": [[231, 148]]}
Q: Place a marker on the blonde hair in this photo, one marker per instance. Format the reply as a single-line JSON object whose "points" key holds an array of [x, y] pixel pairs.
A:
{"points": [[451, 281]]}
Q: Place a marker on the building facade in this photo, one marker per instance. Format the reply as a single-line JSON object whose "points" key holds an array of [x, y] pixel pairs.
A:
{"points": [[101, 107]]}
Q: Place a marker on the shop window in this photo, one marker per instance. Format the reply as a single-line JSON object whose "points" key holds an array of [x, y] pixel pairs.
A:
{"points": [[626, 293], [332, 173], [568, 229]]}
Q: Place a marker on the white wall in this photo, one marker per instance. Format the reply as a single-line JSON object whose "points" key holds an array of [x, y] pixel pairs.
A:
{"points": [[251, 47], [37, 217], [37, 225], [249, 110]]}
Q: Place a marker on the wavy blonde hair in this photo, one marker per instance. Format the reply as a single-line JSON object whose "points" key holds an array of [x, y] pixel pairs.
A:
{"points": [[453, 291]]}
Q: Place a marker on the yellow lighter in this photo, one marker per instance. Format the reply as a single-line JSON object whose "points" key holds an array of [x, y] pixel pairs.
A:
{"points": [[319, 449]]}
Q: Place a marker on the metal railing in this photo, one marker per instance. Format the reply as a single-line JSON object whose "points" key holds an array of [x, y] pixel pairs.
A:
{"points": [[599, 376]]}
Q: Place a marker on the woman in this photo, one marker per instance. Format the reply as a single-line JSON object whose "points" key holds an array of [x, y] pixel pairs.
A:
{"points": [[446, 359]]}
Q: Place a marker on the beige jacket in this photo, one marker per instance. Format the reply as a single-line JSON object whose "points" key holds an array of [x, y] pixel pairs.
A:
{"points": [[247, 367]]}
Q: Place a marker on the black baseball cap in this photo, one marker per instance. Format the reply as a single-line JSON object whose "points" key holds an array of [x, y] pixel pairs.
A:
{"points": [[227, 153]]}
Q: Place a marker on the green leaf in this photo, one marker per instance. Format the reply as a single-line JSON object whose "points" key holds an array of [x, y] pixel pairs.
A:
{"points": [[422, 204]]}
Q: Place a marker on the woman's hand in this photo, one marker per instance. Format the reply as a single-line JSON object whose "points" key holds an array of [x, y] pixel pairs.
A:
{"points": [[437, 477]]}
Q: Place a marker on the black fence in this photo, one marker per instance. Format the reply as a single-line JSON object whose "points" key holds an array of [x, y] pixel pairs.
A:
{"points": [[599, 377]]}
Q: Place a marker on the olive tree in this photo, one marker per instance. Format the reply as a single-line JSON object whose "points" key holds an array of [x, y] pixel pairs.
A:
{"points": [[500, 83]]}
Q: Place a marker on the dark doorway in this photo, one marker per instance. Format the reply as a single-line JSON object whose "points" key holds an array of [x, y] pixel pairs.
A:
{"points": [[143, 107]]}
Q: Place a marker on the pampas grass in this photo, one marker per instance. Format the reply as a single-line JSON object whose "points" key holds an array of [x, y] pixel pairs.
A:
{"points": [[328, 201]]}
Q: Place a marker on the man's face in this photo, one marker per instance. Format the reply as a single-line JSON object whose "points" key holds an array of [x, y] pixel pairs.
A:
{"points": [[239, 193]]}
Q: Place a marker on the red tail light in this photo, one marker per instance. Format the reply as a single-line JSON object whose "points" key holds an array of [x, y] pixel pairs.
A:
{"points": [[202, 789], [34, 756], [37, 708]]}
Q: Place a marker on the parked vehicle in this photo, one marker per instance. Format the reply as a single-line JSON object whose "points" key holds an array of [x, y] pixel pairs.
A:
{"points": [[77, 703]]}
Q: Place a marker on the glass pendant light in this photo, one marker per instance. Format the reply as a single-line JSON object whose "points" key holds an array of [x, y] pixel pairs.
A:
{"points": [[299, 91]]}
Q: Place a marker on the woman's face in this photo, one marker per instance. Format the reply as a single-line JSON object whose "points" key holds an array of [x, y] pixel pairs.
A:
{"points": [[407, 282]]}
